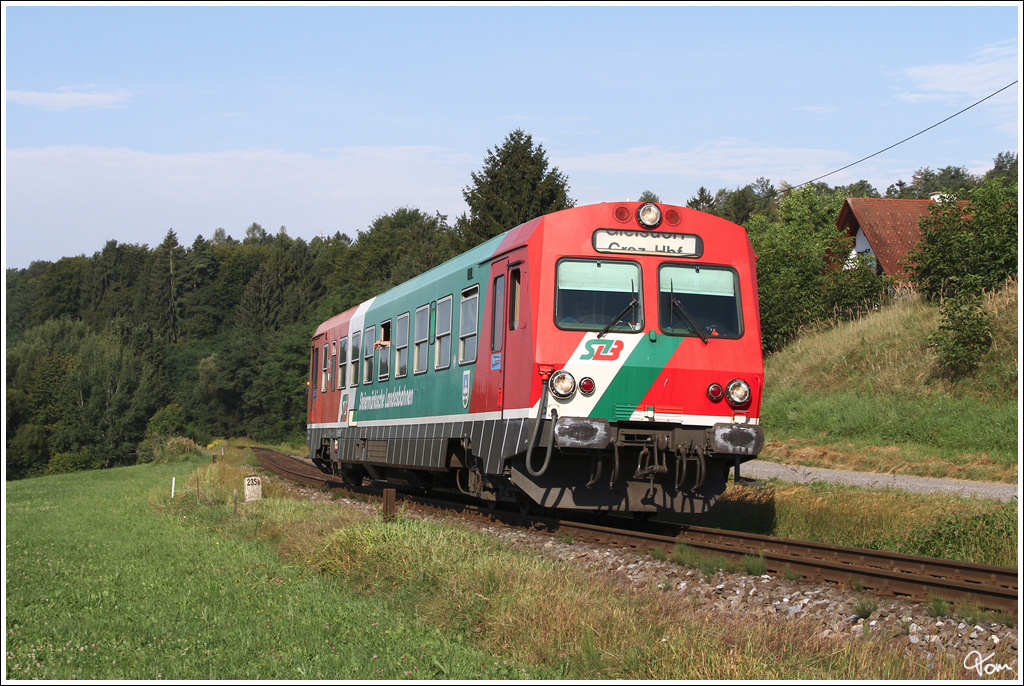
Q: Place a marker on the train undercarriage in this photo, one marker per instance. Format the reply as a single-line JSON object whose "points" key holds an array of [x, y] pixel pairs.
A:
{"points": [[568, 464]]}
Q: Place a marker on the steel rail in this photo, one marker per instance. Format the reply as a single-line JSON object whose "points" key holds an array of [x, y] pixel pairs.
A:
{"points": [[882, 572]]}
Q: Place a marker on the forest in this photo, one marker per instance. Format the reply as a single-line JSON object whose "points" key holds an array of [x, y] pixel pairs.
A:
{"points": [[110, 356]]}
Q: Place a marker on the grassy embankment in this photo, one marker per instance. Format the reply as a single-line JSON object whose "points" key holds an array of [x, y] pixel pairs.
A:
{"points": [[865, 396], [110, 578]]}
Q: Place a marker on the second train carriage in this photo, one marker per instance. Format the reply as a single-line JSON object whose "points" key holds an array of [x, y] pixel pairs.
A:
{"points": [[605, 357]]}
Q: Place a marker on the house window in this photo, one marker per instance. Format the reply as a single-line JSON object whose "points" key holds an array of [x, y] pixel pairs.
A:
{"points": [[468, 314], [443, 334]]}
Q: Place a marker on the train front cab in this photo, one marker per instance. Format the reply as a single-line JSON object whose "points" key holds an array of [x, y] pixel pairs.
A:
{"points": [[649, 363]]}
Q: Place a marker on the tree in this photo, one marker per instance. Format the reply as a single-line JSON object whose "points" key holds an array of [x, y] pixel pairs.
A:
{"points": [[107, 396], [1004, 167], [257, 235], [703, 201], [514, 186], [967, 246], [648, 196], [802, 270], [399, 246], [737, 206], [927, 182], [860, 189], [163, 309]]}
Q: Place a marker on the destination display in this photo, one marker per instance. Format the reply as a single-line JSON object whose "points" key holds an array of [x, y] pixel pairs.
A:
{"points": [[650, 242]]}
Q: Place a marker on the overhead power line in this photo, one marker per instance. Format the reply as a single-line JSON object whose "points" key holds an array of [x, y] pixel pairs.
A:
{"points": [[908, 137]]}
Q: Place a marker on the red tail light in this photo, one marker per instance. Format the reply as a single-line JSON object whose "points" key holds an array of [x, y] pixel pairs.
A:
{"points": [[715, 392]]}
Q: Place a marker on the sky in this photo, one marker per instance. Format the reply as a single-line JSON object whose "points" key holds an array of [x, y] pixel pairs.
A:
{"points": [[122, 123]]}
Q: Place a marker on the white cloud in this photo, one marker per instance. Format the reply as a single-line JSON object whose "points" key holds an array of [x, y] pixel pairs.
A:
{"points": [[69, 200], [71, 98], [988, 70]]}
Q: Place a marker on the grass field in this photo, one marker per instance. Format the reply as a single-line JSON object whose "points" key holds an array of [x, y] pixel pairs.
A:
{"points": [[110, 578], [107, 579], [865, 395]]}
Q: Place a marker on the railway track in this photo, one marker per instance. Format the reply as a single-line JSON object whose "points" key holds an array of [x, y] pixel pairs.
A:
{"points": [[880, 572]]}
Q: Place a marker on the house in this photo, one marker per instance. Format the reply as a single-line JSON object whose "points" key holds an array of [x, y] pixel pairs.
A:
{"points": [[884, 228]]}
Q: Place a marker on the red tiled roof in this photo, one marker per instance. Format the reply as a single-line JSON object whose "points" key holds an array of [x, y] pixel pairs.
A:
{"points": [[890, 226]]}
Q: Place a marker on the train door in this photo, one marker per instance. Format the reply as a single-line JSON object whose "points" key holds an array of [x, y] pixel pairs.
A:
{"points": [[516, 336]]}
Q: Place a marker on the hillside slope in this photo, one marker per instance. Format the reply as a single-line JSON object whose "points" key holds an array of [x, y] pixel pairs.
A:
{"points": [[865, 395]]}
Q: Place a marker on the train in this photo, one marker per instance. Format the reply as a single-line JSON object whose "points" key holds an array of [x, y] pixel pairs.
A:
{"points": [[604, 358]]}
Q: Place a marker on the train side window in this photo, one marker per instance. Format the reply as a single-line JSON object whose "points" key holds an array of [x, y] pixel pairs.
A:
{"points": [[384, 356], [514, 300], [468, 316], [402, 345], [443, 334], [422, 333], [368, 350], [323, 374], [334, 363], [354, 376], [498, 314], [342, 362]]}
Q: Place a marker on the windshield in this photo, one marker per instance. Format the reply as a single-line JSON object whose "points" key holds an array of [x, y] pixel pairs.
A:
{"points": [[699, 296], [593, 295]]}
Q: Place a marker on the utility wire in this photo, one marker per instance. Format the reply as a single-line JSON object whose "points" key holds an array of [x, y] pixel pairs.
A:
{"points": [[907, 138]]}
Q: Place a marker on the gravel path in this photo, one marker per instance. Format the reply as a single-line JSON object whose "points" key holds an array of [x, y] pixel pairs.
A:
{"points": [[757, 469]]}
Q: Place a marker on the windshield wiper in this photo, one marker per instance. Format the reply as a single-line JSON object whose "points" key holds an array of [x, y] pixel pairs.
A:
{"points": [[676, 303], [632, 303]]}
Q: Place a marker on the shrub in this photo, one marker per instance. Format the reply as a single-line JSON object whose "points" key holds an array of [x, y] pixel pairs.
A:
{"points": [[963, 337]]}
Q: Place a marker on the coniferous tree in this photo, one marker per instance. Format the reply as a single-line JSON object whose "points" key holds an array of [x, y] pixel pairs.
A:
{"points": [[163, 302], [703, 201], [514, 186]]}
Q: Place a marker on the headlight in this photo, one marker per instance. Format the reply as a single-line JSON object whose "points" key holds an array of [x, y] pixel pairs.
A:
{"points": [[562, 384], [649, 215], [737, 392]]}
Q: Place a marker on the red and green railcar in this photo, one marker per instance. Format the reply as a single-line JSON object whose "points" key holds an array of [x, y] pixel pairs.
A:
{"points": [[605, 357]]}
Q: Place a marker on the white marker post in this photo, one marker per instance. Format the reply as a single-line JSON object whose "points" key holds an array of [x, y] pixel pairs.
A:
{"points": [[253, 488]]}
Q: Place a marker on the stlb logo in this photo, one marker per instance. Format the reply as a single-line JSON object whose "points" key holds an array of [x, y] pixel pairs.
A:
{"points": [[602, 351]]}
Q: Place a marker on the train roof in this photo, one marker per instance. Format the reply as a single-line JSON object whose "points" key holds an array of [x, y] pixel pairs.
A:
{"points": [[502, 243]]}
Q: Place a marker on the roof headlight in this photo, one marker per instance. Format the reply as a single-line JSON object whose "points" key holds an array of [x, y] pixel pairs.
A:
{"points": [[737, 392], [562, 384], [649, 215]]}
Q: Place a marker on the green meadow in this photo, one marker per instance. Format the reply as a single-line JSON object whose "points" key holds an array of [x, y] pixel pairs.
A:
{"points": [[109, 578], [106, 581]]}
